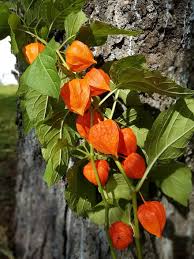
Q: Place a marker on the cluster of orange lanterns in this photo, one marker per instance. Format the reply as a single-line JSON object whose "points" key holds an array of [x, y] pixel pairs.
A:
{"points": [[104, 135]]}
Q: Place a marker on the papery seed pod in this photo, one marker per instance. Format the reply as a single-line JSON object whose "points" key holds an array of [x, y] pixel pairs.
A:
{"points": [[134, 166], [98, 81], [79, 56], [121, 235], [102, 167], [104, 137], [83, 122], [32, 50], [76, 95], [127, 142], [152, 216]]}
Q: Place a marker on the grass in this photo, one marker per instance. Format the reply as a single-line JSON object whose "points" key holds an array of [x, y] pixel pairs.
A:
{"points": [[8, 139], [8, 133]]}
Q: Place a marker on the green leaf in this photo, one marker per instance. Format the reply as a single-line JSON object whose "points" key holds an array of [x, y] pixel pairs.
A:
{"points": [[147, 81], [73, 23], [171, 132], [175, 180], [135, 61], [96, 33], [139, 120], [27, 123], [141, 135], [42, 74], [128, 117], [4, 26], [14, 22], [36, 105], [116, 213], [80, 194], [53, 13], [51, 176], [129, 98], [56, 137], [117, 188]]}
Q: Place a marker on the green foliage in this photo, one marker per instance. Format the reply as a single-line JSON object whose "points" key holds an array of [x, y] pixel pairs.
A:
{"points": [[96, 33], [117, 188], [14, 22], [175, 180], [116, 213], [43, 72], [8, 132], [130, 73], [56, 137], [171, 132], [4, 15], [80, 194], [53, 13], [73, 23], [36, 106]]}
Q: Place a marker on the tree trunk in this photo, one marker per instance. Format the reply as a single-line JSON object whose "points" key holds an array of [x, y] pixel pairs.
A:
{"points": [[45, 227]]}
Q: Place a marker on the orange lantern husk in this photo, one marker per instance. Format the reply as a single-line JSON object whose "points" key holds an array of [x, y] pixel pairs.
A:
{"points": [[127, 142], [83, 123], [104, 137], [152, 216], [32, 50], [134, 166], [98, 81], [76, 95], [78, 56], [102, 168], [121, 235]]}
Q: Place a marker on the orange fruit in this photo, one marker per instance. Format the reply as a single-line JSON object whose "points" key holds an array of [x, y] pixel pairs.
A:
{"points": [[102, 167]]}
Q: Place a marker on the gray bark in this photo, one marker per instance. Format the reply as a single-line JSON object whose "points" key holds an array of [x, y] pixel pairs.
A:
{"points": [[45, 227]]}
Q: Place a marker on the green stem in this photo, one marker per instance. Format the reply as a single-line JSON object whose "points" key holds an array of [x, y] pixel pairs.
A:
{"points": [[134, 204], [114, 104], [136, 226], [69, 38], [106, 97], [62, 59], [141, 182], [35, 36], [106, 205], [128, 181]]}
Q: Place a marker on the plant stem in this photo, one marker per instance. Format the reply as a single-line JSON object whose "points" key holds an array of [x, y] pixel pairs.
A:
{"points": [[36, 36], [62, 59], [71, 37], [134, 205], [128, 181], [114, 104], [106, 205], [106, 97], [136, 226], [140, 183]]}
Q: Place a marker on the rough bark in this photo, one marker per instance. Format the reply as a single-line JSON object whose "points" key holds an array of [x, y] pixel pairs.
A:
{"points": [[45, 227]]}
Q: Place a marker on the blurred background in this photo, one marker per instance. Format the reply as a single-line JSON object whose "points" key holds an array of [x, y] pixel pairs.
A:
{"points": [[8, 139]]}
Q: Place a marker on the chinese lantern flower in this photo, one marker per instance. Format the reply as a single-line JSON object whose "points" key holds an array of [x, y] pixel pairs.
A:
{"points": [[76, 95], [79, 56], [152, 216], [134, 166], [121, 235], [83, 123], [102, 168], [104, 137], [32, 50], [98, 81], [127, 142]]}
